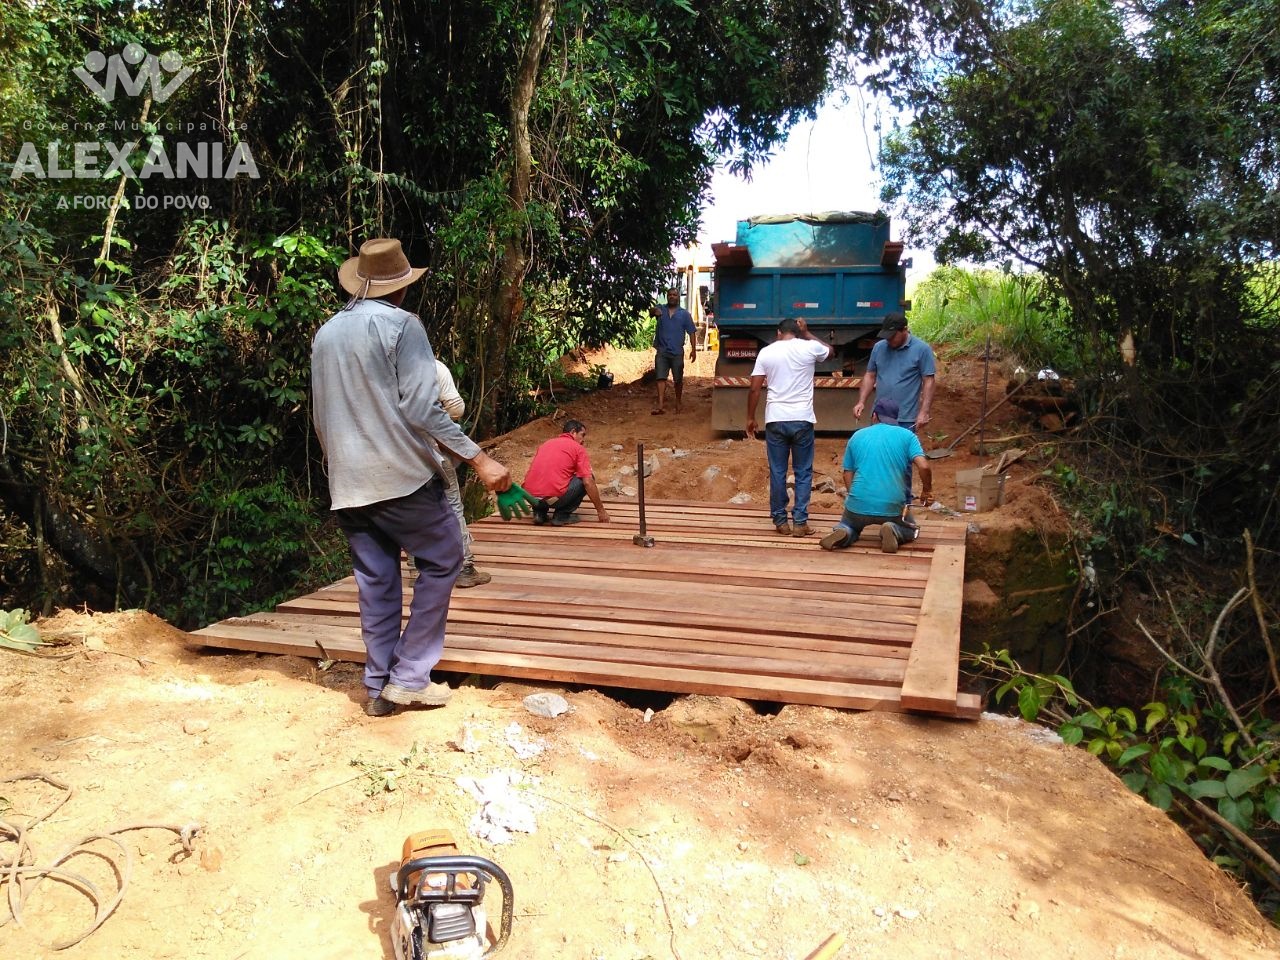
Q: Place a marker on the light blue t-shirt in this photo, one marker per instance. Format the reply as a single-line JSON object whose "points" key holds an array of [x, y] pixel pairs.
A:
{"points": [[880, 457], [899, 373]]}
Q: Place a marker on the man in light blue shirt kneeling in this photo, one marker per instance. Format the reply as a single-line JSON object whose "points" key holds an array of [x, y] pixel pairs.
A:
{"points": [[875, 461]]}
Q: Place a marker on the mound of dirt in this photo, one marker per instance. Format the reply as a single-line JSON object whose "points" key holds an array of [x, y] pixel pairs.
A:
{"points": [[700, 830]]}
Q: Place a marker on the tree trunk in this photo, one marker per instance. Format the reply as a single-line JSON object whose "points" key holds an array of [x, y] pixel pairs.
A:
{"points": [[506, 301]]}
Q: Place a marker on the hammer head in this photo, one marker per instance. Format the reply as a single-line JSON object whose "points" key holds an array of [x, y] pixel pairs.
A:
{"points": [[640, 540]]}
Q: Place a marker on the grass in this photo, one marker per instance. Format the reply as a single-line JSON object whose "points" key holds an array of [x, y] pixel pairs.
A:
{"points": [[960, 307]]}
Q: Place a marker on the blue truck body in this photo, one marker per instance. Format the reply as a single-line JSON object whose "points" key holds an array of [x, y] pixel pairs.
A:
{"points": [[840, 272]]}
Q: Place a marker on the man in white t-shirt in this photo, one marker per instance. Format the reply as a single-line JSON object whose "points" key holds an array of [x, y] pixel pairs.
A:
{"points": [[787, 365]]}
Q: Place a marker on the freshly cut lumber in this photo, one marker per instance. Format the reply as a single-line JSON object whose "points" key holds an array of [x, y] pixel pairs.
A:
{"points": [[720, 606], [933, 668]]}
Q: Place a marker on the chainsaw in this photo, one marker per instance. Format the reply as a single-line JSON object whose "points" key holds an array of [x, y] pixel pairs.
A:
{"points": [[440, 909]]}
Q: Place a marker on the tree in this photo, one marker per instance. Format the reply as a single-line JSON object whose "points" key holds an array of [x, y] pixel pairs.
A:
{"points": [[540, 158], [1129, 153]]}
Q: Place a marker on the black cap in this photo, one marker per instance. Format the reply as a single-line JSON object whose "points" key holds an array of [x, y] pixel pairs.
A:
{"points": [[893, 322]]}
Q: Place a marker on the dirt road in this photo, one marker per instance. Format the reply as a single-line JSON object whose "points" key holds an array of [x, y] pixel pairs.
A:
{"points": [[701, 830]]}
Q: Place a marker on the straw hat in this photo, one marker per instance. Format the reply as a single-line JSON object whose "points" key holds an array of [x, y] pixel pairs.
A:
{"points": [[381, 268]]}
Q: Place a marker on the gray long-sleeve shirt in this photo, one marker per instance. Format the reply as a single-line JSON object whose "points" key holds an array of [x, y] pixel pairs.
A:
{"points": [[374, 392]]}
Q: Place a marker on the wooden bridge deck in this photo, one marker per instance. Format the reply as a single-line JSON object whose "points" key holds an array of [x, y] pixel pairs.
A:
{"points": [[721, 605]]}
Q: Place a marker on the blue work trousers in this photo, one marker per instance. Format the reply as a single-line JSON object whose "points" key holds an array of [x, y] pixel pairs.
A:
{"points": [[904, 526], [425, 527]]}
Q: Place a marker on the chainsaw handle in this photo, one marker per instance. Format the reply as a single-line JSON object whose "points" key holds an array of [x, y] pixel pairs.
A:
{"points": [[478, 867]]}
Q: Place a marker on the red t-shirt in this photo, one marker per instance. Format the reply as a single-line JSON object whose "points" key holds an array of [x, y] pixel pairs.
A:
{"points": [[556, 463]]}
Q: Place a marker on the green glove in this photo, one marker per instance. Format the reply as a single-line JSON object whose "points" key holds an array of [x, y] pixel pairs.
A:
{"points": [[515, 501]]}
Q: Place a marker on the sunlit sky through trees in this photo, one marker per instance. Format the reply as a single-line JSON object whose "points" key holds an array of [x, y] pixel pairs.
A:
{"points": [[826, 164]]}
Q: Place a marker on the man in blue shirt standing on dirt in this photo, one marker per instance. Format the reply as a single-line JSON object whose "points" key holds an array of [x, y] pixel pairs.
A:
{"points": [[668, 340], [901, 369], [875, 460]]}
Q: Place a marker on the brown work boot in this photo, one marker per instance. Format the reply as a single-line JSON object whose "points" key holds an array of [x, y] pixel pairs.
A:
{"points": [[837, 538], [784, 528], [803, 530], [432, 695], [471, 577], [888, 539]]}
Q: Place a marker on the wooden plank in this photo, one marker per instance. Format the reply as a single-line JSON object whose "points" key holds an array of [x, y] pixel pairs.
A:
{"points": [[722, 519], [624, 653], [638, 676], [702, 558], [665, 535], [722, 606], [603, 608], [662, 636], [889, 593], [553, 588], [691, 531], [933, 669]]}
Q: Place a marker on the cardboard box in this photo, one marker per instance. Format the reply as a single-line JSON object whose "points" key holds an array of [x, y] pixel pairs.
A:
{"points": [[979, 490]]}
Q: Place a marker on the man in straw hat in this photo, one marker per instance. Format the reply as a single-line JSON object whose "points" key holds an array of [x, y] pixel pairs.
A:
{"points": [[374, 393]]}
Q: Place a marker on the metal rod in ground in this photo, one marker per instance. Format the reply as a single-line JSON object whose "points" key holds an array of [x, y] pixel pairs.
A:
{"points": [[640, 484], [986, 372], [641, 539]]}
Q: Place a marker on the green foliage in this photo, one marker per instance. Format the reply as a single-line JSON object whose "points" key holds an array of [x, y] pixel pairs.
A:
{"points": [[639, 336], [961, 307], [17, 632], [1127, 154], [1183, 752], [386, 777], [1033, 690]]}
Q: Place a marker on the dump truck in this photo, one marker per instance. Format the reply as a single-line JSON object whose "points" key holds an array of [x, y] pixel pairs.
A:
{"points": [[837, 271]]}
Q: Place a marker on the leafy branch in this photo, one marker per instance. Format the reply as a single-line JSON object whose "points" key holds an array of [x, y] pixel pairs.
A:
{"points": [[18, 633]]}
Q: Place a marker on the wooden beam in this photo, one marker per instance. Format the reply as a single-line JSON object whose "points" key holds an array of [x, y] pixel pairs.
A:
{"points": [[933, 669], [722, 606]]}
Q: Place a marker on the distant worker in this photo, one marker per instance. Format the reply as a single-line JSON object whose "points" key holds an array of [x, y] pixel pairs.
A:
{"points": [[455, 407], [668, 342], [901, 369], [875, 459], [560, 477], [787, 365], [374, 403]]}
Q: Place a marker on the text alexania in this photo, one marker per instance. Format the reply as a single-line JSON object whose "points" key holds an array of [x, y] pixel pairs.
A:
{"points": [[100, 160]]}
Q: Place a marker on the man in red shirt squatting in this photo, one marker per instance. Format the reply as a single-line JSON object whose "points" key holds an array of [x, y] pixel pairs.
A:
{"points": [[560, 476]]}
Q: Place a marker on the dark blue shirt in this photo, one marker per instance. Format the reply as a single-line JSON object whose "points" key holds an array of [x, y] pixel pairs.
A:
{"points": [[672, 326]]}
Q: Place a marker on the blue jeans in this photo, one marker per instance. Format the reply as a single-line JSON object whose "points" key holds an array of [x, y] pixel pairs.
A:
{"points": [[792, 439], [907, 530]]}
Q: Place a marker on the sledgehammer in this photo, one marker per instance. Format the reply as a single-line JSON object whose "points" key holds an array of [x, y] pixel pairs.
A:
{"points": [[641, 539]]}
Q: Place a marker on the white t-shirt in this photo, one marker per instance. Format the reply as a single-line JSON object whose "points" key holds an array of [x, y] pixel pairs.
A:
{"points": [[450, 399], [788, 367]]}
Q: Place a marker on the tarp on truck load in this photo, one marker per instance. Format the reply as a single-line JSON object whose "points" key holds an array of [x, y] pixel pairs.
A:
{"points": [[813, 240], [829, 216]]}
